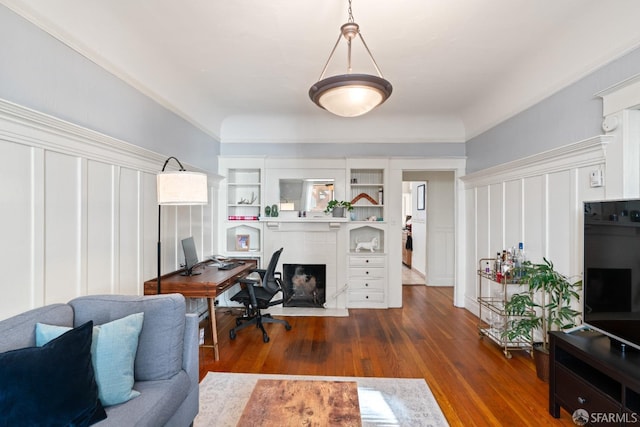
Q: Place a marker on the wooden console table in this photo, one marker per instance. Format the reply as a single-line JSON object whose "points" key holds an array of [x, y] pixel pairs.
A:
{"points": [[209, 284]]}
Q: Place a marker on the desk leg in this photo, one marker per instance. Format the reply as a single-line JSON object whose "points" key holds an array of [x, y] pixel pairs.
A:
{"points": [[214, 328]]}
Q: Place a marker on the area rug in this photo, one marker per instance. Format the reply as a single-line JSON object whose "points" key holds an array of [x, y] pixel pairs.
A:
{"points": [[383, 401]]}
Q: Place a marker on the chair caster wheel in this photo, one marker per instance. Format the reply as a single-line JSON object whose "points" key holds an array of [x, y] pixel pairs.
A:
{"points": [[287, 327], [232, 334], [265, 338], [238, 322]]}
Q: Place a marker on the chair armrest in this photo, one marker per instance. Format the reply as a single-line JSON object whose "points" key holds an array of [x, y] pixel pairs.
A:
{"points": [[248, 281], [252, 295]]}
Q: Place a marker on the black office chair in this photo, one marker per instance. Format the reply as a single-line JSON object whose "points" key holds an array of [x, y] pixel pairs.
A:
{"points": [[257, 295]]}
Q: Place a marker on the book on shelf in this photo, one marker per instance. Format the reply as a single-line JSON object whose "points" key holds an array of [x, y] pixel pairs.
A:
{"points": [[243, 217]]}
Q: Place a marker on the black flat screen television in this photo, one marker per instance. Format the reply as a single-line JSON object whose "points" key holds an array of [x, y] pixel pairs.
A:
{"points": [[611, 282]]}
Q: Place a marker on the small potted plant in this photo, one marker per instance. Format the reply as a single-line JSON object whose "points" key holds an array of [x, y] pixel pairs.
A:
{"points": [[338, 207], [551, 312]]}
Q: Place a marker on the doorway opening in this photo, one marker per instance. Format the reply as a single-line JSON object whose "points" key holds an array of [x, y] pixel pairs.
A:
{"points": [[429, 206], [413, 266]]}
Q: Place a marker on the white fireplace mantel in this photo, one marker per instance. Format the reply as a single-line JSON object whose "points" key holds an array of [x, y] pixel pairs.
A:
{"points": [[309, 241], [316, 224]]}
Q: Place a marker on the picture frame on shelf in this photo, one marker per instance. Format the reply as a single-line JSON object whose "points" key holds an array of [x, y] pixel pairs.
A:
{"points": [[242, 242], [421, 205]]}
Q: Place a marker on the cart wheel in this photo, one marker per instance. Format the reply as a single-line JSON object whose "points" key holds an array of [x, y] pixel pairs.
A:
{"points": [[232, 334], [265, 337], [287, 327]]}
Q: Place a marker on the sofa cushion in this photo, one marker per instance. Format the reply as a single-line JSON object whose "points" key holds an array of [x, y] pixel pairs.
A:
{"points": [[156, 405], [20, 331], [113, 352], [161, 341], [51, 385]]}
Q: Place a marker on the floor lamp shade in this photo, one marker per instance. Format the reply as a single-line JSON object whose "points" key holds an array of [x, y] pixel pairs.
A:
{"points": [[182, 188]]}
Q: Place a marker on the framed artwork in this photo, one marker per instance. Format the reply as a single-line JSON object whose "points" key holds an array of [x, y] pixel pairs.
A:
{"points": [[421, 197], [242, 242]]}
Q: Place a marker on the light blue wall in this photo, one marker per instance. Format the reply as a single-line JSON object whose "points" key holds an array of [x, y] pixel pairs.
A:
{"points": [[570, 115], [39, 72], [341, 150]]}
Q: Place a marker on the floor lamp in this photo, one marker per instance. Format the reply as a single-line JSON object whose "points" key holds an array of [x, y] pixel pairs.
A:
{"points": [[178, 188]]}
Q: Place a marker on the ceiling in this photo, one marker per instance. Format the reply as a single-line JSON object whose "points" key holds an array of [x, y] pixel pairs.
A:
{"points": [[241, 69]]}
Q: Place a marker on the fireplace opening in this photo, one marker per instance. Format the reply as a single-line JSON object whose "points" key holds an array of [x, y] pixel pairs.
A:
{"points": [[305, 285]]}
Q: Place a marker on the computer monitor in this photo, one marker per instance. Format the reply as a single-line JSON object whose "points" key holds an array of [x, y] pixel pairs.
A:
{"points": [[190, 256]]}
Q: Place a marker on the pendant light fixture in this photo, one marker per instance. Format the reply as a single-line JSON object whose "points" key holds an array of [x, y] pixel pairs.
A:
{"points": [[350, 95]]}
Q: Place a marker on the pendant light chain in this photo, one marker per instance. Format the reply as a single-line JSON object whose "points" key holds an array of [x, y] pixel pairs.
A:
{"points": [[350, 20]]}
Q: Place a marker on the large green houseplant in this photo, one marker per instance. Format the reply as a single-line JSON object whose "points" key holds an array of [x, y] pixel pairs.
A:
{"points": [[547, 305]]}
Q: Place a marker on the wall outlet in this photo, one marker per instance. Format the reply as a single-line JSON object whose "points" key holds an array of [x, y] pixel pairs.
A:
{"points": [[201, 336]]}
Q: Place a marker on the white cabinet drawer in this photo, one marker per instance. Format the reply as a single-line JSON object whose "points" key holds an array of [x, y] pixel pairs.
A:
{"points": [[366, 272], [366, 283], [365, 297], [363, 261]]}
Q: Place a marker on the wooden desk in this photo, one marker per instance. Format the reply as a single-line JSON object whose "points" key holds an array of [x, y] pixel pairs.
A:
{"points": [[209, 284]]}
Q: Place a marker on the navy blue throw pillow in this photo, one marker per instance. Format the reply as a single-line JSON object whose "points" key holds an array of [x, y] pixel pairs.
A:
{"points": [[53, 385]]}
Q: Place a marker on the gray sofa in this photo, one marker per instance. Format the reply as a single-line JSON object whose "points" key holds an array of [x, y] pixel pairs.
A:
{"points": [[166, 364]]}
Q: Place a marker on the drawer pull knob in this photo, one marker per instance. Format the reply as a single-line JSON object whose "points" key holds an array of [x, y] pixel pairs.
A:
{"points": [[582, 400], [367, 297], [366, 260], [366, 284], [367, 272]]}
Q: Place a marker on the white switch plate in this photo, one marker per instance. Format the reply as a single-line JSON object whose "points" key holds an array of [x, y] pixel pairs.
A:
{"points": [[596, 178]]}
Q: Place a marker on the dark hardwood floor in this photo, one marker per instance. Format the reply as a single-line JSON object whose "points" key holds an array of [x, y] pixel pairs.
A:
{"points": [[428, 338]]}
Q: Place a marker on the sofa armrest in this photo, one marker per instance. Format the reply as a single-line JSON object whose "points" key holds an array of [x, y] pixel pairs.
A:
{"points": [[191, 352]]}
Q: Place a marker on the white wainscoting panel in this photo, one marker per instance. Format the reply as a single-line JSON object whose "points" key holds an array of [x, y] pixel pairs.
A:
{"points": [[537, 201], [100, 227], [63, 227], [18, 232], [562, 213], [149, 226], [534, 208], [495, 212], [481, 216], [513, 212], [79, 215], [130, 233]]}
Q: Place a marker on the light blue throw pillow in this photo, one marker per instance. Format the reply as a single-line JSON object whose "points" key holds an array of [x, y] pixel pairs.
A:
{"points": [[113, 353]]}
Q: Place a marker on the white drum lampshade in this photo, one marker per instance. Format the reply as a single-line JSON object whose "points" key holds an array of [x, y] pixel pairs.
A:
{"points": [[182, 188]]}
